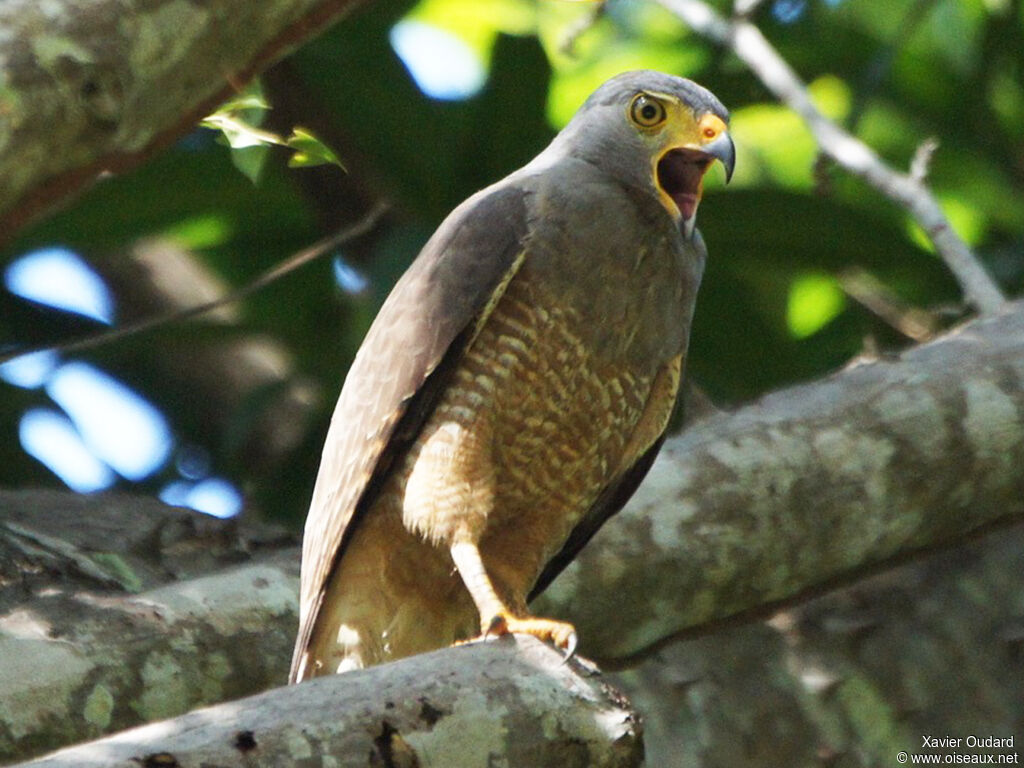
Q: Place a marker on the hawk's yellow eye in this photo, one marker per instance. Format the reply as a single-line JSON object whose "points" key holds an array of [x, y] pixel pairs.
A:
{"points": [[646, 111]]}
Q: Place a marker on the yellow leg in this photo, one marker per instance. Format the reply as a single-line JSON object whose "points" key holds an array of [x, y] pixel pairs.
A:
{"points": [[496, 618]]}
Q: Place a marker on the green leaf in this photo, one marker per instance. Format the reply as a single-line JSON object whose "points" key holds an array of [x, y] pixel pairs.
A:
{"points": [[243, 102], [199, 232], [310, 151], [250, 161], [238, 122], [814, 300]]}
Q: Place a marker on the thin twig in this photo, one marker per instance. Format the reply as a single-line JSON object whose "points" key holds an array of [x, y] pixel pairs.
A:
{"points": [[751, 46], [279, 270], [922, 161], [581, 26], [872, 294]]}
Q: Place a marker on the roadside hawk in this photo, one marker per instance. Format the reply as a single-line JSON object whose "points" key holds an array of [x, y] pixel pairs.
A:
{"points": [[515, 387]]}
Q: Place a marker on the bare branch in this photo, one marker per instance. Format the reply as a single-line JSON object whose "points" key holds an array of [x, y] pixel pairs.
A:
{"points": [[871, 293], [568, 44], [746, 41], [746, 7], [279, 270], [922, 161]]}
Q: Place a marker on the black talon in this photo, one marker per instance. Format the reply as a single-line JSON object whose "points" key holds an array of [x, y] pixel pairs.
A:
{"points": [[570, 649], [496, 623]]}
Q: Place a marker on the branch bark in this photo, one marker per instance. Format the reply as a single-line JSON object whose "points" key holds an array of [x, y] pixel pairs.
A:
{"points": [[807, 488], [513, 702], [854, 677], [117, 610], [798, 492], [89, 88], [907, 190]]}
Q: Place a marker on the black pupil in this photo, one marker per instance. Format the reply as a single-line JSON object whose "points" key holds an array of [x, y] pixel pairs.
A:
{"points": [[648, 111]]}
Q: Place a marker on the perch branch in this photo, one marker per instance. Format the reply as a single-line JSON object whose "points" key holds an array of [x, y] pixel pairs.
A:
{"points": [[513, 702], [807, 489]]}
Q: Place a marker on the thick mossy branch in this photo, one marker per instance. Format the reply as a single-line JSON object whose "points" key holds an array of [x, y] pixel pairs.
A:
{"points": [[89, 86], [804, 489], [807, 487], [511, 702]]}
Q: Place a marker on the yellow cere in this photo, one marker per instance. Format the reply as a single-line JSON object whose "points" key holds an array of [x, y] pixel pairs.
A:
{"points": [[711, 127]]}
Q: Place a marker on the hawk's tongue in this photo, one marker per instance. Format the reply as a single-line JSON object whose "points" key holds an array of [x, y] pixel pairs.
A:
{"points": [[687, 204]]}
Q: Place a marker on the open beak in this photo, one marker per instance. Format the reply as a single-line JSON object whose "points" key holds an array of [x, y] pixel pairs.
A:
{"points": [[681, 172]]}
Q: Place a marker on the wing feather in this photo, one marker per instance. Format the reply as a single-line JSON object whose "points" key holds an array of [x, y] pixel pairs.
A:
{"points": [[400, 372]]}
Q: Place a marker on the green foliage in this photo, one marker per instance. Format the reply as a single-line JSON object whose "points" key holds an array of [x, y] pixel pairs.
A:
{"points": [[814, 301], [771, 310], [238, 121]]}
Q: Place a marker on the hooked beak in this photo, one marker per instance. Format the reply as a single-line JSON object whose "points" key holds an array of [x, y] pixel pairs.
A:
{"points": [[723, 149], [680, 173]]}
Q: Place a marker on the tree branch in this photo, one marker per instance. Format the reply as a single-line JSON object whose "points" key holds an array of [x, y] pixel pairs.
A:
{"points": [[807, 488], [91, 89], [801, 491], [323, 247], [750, 45], [853, 677], [117, 609], [513, 701]]}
